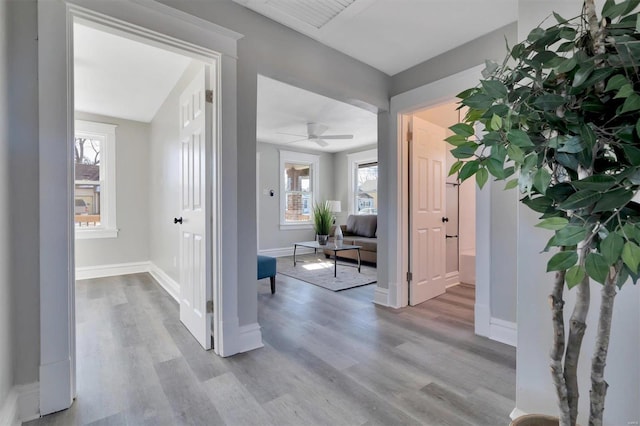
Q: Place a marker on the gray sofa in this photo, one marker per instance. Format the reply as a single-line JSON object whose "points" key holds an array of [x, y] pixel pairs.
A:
{"points": [[360, 230]]}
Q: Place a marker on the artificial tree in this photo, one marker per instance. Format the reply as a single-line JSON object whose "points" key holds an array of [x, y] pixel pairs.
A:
{"points": [[562, 114]]}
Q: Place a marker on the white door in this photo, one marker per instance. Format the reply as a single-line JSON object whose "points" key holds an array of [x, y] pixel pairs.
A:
{"points": [[427, 208], [195, 282]]}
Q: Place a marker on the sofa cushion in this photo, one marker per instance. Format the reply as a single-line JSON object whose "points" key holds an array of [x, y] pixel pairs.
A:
{"points": [[366, 244], [364, 225]]}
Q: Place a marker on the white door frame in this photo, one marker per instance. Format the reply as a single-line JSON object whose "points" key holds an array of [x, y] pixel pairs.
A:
{"points": [[406, 103], [155, 24]]}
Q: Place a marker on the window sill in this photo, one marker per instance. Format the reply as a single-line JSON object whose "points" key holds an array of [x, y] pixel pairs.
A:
{"points": [[90, 234], [295, 226]]}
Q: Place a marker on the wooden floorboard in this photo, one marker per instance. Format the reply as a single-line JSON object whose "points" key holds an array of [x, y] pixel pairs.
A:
{"points": [[330, 358]]}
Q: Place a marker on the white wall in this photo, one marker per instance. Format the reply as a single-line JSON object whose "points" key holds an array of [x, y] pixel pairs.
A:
{"points": [[164, 179], [270, 235], [6, 311], [132, 198], [535, 392]]}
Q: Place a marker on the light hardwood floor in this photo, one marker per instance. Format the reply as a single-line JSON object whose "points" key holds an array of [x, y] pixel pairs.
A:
{"points": [[329, 359]]}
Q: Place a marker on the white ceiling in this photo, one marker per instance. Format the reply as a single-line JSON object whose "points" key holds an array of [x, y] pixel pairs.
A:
{"points": [[287, 109], [118, 77], [391, 35]]}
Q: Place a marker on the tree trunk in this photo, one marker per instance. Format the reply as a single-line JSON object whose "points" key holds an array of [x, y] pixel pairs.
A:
{"points": [[557, 350], [598, 384]]}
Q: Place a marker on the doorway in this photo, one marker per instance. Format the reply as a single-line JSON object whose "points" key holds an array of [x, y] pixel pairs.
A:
{"points": [[441, 210]]}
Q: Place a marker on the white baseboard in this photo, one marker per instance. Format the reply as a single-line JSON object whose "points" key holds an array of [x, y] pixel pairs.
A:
{"points": [[165, 281], [452, 279], [517, 413], [381, 296], [482, 320], [249, 337], [28, 401], [9, 409], [89, 272], [284, 251], [55, 386], [504, 332]]}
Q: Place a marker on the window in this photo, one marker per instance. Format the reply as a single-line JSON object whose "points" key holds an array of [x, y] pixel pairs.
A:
{"points": [[299, 182], [363, 188], [94, 185]]}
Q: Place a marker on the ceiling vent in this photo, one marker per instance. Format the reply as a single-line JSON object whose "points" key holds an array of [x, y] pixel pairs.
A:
{"points": [[316, 13]]}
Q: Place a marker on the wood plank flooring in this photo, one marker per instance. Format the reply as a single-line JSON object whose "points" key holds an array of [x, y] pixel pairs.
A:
{"points": [[329, 359]]}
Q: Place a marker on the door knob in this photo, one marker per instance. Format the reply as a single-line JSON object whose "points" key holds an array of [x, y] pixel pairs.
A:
{"points": [[445, 219], [177, 220]]}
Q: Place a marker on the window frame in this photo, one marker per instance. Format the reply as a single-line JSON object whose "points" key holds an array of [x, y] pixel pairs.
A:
{"points": [[313, 161], [106, 133], [353, 162]]}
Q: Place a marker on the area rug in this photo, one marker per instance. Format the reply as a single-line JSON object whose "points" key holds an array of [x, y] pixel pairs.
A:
{"points": [[316, 269]]}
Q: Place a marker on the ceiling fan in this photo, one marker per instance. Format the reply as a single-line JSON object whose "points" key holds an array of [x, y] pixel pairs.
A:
{"points": [[315, 134]]}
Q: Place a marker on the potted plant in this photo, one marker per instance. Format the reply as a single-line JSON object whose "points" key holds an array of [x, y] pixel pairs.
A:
{"points": [[559, 119], [322, 219]]}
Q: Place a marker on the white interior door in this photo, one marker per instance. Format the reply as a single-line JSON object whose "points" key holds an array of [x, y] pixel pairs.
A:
{"points": [[427, 208], [195, 287]]}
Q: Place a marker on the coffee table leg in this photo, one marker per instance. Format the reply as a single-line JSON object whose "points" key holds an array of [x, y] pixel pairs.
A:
{"points": [[335, 264], [295, 246], [358, 260]]}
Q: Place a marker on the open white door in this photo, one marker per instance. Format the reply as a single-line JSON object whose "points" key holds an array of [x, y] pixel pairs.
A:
{"points": [[427, 208], [195, 282]]}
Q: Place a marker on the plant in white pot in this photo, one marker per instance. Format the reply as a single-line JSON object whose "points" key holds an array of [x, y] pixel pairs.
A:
{"points": [[322, 220], [559, 119]]}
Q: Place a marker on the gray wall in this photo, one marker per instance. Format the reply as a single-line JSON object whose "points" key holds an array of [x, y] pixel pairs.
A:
{"points": [[6, 311], [275, 51], [21, 174], [164, 179], [132, 198], [490, 46], [271, 236]]}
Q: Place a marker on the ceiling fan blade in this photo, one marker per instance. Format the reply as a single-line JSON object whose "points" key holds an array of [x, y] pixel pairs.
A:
{"points": [[337, 136], [291, 134], [321, 142], [316, 129], [297, 140]]}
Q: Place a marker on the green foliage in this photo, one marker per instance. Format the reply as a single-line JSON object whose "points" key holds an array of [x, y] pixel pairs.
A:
{"points": [[564, 117], [322, 218]]}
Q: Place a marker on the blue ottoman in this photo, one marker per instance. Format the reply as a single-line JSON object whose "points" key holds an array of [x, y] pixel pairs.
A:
{"points": [[267, 268]]}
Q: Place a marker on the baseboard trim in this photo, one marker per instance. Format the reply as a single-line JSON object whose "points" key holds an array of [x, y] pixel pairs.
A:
{"points": [[504, 332], [55, 387], [482, 319], [28, 401], [452, 279], [9, 409], [165, 281], [517, 413], [249, 337], [100, 271], [284, 251], [381, 296]]}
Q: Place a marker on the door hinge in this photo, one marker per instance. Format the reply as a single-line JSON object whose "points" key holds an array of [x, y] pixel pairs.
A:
{"points": [[409, 276], [208, 95], [209, 306]]}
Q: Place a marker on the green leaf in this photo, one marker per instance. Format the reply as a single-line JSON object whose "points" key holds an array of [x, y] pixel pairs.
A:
{"points": [[541, 180], [588, 135], [582, 74], [615, 199], [631, 256], [623, 276], [580, 199], [611, 247], [482, 175], [456, 140], [494, 88], [519, 138], [465, 151], [632, 103], [515, 153], [549, 102], [624, 92], [616, 82], [469, 169], [596, 267], [574, 276], [535, 34], [570, 235], [638, 122], [495, 167], [567, 65], [559, 18], [455, 167], [595, 183], [478, 101], [466, 93], [553, 223], [632, 153], [573, 145], [538, 204], [496, 122], [462, 129], [562, 261], [511, 184]]}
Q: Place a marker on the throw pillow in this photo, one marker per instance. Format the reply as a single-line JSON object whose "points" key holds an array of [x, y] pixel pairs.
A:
{"points": [[364, 225]]}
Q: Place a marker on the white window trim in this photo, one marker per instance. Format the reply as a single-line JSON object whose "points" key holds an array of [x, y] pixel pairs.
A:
{"points": [[298, 158], [353, 161], [106, 132]]}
